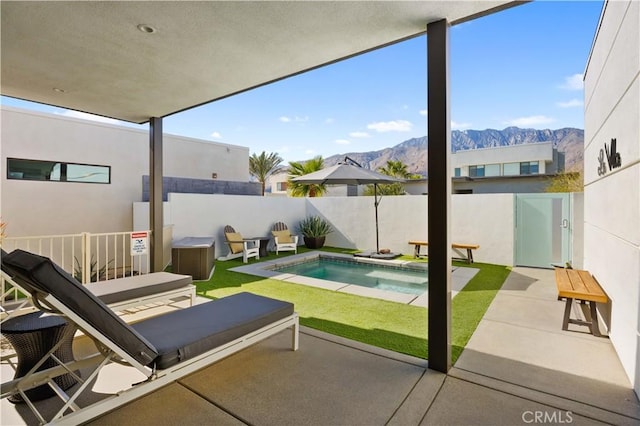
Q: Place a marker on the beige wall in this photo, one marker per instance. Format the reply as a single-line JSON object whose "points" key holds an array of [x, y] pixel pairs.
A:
{"points": [[612, 199], [35, 208]]}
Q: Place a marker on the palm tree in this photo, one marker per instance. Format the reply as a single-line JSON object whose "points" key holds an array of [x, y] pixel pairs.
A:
{"points": [[262, 166], [395, 168], [297, 169]]}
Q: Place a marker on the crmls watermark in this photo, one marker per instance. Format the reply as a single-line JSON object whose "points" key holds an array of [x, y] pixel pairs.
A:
{"points": [[555, 417]]}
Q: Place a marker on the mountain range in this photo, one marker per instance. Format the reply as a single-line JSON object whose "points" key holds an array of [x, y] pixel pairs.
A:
{"points": [[414, 152]]}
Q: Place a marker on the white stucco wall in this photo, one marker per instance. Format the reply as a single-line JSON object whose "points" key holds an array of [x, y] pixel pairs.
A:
{"points": [[36, 208], [612, 200], [401, 218]]}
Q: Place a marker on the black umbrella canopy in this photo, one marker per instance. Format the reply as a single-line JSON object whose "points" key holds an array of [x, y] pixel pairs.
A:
{"points": [[349, 173]]}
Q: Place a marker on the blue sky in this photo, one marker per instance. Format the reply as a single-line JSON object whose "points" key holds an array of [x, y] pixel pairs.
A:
{"points": [[520, 67]]}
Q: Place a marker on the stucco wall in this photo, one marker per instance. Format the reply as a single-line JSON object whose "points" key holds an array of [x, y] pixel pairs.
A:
{"points": [[401, 218], [612, 199], [36, 208]]}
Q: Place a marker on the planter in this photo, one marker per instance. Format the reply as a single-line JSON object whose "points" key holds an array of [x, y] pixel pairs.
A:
{"points": [[314, 242]]}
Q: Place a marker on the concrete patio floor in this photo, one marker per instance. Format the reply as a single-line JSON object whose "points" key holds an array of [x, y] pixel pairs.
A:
{"points": [[518, 368]]}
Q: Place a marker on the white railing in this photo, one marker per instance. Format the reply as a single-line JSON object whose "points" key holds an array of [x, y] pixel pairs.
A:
{"points": [[88, 257]]}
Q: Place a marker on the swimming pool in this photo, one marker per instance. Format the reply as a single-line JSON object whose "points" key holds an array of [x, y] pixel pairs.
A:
{"points": [[401, 279]]}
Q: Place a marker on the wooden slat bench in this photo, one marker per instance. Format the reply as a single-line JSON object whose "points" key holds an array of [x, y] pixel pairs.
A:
{"points": [[580, 285], [467, 247]]}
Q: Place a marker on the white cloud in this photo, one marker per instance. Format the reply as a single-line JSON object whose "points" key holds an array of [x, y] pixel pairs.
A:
{"points": [[343, 141], [359, 135], [529, 121], [310, 152], [296, 119], [573, 82], [391, 126], [216, 135], [424, 112], [459, 126], [570, 104], [87, 116], [330, 120]]}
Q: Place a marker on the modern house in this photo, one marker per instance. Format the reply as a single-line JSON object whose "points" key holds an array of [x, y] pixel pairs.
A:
{"points": [[105, 165], [524, 168], [141, 70]]}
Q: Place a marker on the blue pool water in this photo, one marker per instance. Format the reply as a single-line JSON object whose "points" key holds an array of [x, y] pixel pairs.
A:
{"points": [[383, 277]]}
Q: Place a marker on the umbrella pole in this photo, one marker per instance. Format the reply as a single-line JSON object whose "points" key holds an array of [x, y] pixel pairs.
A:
{"points": [[375, 196]]}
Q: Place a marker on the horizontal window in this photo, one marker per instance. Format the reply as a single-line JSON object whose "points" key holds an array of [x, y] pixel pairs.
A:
{"points": [[529, 168], [56, 171], [476, 171], [492, 170], [511, 169]]}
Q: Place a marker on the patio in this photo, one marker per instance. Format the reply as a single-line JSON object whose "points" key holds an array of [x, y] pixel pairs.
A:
{"points": [[519, 364]]}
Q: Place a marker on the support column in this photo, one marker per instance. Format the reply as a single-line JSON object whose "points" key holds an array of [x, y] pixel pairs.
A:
{"points": [[439, 198], [155, 193]]}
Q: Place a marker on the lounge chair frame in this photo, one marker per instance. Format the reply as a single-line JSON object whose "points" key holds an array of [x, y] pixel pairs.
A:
{"points": [[111, 352]]}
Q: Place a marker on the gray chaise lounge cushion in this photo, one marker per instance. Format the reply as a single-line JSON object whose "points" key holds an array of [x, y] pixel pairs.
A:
{"points": [[40, 274], [139, 286], [164, 340], [186, 333]]}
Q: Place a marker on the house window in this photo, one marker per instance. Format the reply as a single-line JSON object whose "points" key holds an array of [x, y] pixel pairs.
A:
{"points": [[492, 170], [456, 172], [529, 168], [511, 169], [281, 186], [476, 171], [56, 171]]}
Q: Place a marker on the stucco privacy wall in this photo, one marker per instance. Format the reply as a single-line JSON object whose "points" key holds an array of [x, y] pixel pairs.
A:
{"points": [[37, 208], [612, 198], [483, 219]]}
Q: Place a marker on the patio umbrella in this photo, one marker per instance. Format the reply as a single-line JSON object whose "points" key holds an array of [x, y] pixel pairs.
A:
{"points": [[349, 172]]}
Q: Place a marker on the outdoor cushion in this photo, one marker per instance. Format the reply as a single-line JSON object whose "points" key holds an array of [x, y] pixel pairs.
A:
{"points": [[282, 236], [128, 288], [186, 333], [41, 276], [236, 247]]}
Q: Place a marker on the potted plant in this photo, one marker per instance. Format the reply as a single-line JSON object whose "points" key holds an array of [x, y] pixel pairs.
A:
{"points": [[314, 229]]}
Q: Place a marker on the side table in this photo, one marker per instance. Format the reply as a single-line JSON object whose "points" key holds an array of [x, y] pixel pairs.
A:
{"points": [[32, 336], [264, 242]]}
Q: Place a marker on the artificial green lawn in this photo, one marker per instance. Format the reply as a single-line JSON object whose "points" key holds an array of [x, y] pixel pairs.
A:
{"points": [[395, 326]]}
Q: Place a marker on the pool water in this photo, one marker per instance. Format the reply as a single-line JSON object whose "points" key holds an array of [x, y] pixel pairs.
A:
{"points": [[382, 277]]}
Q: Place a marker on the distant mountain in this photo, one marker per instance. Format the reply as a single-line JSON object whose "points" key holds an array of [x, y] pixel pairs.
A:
{"points": [[413, 152]]}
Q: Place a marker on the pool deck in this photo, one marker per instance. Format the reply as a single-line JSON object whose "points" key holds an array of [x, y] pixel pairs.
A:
{"points": [[460, 276], [518, 365]]}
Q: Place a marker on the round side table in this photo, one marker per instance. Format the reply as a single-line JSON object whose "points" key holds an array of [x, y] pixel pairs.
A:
{"points": [[32, 336]]}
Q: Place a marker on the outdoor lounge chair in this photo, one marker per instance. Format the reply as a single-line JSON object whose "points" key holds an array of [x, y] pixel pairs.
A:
{"points": [[164, 348], [239, 246], [283, 239]]}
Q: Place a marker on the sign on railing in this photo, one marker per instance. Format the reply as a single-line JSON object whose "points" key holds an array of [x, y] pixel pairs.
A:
{"points": [[91, 257]]}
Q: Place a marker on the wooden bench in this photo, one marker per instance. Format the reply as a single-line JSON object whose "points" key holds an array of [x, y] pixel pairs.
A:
{"points": [[467, 247], [580, 285]]}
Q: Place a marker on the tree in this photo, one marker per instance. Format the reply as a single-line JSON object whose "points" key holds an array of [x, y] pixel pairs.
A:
{"points": [[397, 169], [297, 169], [566, 182], [262, 166]]}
